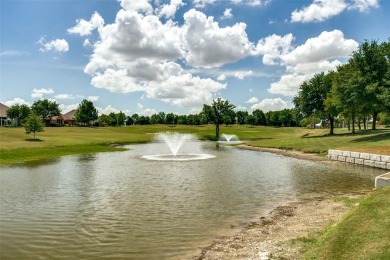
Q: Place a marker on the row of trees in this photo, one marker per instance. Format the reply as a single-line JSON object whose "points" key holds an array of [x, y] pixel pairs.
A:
{"points": [[359, 89]]}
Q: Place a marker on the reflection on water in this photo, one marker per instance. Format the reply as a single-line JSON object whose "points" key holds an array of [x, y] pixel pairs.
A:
{"points": [[119, 206]]}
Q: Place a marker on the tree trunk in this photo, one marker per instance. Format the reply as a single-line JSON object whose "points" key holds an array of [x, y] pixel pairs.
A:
{"points": [[359, 123], [365, 122], [374, 117], [353, 123], [217, 131], [331, 125]]}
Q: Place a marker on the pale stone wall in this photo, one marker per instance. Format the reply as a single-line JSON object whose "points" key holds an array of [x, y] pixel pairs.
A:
{"points": [[368, 159]]}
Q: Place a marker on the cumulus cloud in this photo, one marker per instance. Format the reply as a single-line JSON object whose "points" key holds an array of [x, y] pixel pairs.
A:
{"points": [[321, 10], [16, 101], [317, 54], [84, 28], [269, 104], [141, 110], [273, 46], [58, 45], [38, 93], [203, 3], [209, 45], [169, 10], [227, 14], [252, 100], [221, 77], [64, 96], [110, 109], [93, 98], [242, 74], [142, 6], [66, 108]]}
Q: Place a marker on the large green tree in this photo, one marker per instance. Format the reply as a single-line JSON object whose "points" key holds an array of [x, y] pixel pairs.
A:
{"points": [[33, 124], [216, 112], [314, 98], [371, 62], [46, 109], [18, 113], [86, 112]]}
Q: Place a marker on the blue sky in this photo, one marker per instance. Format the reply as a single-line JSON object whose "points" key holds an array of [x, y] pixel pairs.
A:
{"points": [[140, 56]]}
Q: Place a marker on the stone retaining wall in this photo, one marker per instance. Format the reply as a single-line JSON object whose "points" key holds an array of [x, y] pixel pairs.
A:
{"points": [[368, 159]]}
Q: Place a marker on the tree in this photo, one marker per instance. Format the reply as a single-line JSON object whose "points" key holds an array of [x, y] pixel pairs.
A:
{"points": [[250, 120], [104, 120], [171, 119], [370, 60], [86, 112], [215, 113], [33, 124], [18, 113], [120, 118], [314, 98], [259, 117], [46, 109], [241, 117]]}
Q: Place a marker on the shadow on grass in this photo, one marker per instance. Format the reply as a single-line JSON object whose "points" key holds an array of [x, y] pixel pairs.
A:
{"points": [[375, 138], [369, 133], [33, 140]]}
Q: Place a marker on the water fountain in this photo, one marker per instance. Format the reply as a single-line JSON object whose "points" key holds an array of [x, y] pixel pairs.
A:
{"points": [[182, 147], [229, 139]]}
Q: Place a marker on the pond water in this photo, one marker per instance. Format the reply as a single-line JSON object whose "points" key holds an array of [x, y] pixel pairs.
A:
{"points": [[120, 206]]}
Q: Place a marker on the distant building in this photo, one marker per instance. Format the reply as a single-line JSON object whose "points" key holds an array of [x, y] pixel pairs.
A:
{"points": [[64, 119], [4, 120]]}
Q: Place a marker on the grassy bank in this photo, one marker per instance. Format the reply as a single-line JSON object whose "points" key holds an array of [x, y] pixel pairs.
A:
{"points": [[16, 146], [363, 234]]}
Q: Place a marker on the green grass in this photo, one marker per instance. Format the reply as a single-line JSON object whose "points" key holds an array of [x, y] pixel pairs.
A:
{"points": [[16, 146], [363, 234]]}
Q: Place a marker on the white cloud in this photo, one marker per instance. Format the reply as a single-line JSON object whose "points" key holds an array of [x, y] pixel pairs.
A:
{"points": [[318, 54], [38, 93], [288, 85], [221, 77], [86, 43], [145, 111], [273, 46], [84, 28], [242, 74], [93, 98], [169, 10], [227, 14], [58, 45], [16, 101], [251, 2], [364, 5], [252, 100], [240, 108], [64, 96], [142, 6], [66, 108], [203, 3], [209, 45], [269, 104], [12, 53], [321, 10]]}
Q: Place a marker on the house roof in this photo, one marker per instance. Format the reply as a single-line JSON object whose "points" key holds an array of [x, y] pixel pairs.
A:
{"points": [[69, 115], [3, 110]]}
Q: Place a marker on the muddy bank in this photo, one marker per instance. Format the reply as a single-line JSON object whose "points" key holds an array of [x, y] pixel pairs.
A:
{"points": [[272, 236]]}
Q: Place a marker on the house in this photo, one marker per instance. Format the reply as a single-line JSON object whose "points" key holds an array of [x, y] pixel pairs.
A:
{"points": [[67, 118], [4, 120]]}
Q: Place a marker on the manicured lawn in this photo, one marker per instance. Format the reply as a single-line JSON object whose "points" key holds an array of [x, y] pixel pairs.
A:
{"points": [[16, 146], [363, 234]]}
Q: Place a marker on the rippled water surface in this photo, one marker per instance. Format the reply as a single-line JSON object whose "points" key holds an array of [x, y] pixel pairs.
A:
{"points": [[119, 206]]}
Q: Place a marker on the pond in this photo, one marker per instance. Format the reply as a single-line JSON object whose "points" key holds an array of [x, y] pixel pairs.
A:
{"points": [[120, 206]]}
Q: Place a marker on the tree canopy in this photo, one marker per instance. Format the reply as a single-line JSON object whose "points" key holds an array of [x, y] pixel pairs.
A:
{"points": [[33, 124], [46, 109], [216, 112], [86, 112]]}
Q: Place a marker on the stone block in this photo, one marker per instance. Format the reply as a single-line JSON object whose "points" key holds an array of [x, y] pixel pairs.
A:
{"points": [[375, 157], [381, 165], [385, 158], [369, 163], [350, 159], [359, 161], [333, 157], [388, 165], [355, 154], [382, 180], [347, 153], [365, 156], [341, 158], [331, 152]]}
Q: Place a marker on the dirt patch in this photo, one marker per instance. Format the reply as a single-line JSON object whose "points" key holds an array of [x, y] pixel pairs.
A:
{"points": [[271, 237]]}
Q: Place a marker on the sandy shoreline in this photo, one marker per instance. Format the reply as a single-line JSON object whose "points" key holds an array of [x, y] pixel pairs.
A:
{"points": [[271, 236]]}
